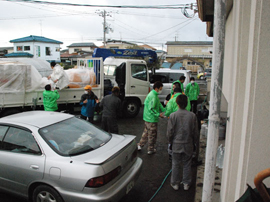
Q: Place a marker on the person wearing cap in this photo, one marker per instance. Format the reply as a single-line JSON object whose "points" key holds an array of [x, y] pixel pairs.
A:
{"points": [[111, 108], [88, 101]]}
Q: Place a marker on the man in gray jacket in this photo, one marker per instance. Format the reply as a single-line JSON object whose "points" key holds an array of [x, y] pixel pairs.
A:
{"points": [[182, 133]]}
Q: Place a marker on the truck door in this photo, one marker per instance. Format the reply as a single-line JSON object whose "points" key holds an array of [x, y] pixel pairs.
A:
{"points": [[139, 84], [120, 78]]}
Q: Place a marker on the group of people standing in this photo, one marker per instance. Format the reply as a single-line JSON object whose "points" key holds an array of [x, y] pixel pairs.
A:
{"points": [[182, 127]]}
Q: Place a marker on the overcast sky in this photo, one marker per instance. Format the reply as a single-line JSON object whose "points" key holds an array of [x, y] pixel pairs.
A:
{"points": [[73, 24]]}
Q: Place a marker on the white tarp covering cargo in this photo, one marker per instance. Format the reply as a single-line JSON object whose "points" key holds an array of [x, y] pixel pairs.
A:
{"points": [[79, 78], [42, 66], [18, 77]]}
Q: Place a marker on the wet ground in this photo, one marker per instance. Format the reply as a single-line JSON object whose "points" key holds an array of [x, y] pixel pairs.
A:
{"points": [[155, 168]]}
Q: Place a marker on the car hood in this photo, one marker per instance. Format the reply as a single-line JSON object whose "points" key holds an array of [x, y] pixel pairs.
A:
{"points": [[107, 151]]}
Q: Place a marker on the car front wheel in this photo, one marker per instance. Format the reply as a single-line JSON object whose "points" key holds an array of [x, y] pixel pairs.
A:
{"points": [[44, 193]]}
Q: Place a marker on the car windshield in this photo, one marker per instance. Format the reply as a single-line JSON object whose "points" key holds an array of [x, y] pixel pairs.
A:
{"points": [[74, 136]]}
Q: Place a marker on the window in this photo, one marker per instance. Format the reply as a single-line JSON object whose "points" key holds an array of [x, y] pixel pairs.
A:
{"points": [[48, 51], [162, 77], [175, 76], [188, 50], [20, 141], [19, 48], [77, 49], [205, 50], [139, 71], [73, 137], [26, 48], [3, 130], [109, 70], [57, 49]]}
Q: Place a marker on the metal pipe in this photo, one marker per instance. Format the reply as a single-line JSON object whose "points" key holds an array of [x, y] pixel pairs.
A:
{"points": [[215, 100]]}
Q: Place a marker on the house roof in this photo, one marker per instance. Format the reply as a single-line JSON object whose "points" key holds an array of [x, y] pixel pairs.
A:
{"points": [[185, 43], [145, 46], [19, 54], [82, 45], [119, 41], [33, 38]]}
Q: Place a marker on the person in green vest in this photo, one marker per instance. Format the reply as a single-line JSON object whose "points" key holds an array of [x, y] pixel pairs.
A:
{"points": [[49, 98], [181, 82], [193, 91], [172, 105], [152, 111]]}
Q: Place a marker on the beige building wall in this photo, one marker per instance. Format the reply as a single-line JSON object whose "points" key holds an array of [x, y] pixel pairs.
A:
{"points": [[246, 88], [188, 50]]}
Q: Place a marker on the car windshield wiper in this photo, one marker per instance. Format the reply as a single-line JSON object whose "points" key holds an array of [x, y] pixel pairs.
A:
{"points": [[80, 150]]}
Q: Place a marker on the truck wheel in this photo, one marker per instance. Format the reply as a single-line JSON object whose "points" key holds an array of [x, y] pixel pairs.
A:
{"points": [[131, 108], [46, 193]]}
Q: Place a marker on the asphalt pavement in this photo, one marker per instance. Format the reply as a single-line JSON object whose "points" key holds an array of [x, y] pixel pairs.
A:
{"points": [[155, 168]]}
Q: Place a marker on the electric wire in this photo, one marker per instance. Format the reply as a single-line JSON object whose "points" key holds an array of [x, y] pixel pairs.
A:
{"points": [[176, 6]]}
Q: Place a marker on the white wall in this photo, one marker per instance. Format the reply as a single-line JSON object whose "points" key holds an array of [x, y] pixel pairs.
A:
{"points": [[55, 55], [246, 87]]}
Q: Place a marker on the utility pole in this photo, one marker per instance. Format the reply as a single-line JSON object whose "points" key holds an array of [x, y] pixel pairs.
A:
{"points": [[215, 100], [106, 28]]}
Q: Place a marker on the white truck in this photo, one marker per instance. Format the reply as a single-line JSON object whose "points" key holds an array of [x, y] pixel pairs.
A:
{"points": [[19, 90]]}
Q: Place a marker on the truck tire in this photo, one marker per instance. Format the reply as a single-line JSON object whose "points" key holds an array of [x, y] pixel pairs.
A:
{"points": [[131, 108]]}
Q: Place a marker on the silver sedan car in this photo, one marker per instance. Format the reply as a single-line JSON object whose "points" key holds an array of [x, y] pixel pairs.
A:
{"points": [[51, 156]]}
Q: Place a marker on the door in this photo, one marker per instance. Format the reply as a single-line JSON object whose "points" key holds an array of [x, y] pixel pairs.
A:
{"points": [[138, 81], [21, 160]]}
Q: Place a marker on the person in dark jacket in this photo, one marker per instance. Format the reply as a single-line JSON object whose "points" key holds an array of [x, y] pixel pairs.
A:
{"points": [[111, 107], [49, 98], [88, 101]]}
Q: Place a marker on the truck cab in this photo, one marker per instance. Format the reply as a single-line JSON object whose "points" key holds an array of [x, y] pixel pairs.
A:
{"points": [[128, 69], [132, 77]]}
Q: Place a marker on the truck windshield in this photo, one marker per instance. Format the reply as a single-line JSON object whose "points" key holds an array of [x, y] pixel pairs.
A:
{"points": [[109, 70], [74, 136]]}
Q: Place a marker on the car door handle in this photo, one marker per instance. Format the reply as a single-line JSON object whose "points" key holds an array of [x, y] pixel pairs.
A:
{"points": [[132, 86], [35, 167]]}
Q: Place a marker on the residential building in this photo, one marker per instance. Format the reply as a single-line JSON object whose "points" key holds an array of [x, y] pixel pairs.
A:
{"points": [[192, 54], [37, 47], [118, 44], [77, 47], [246, 90], [77, 50]]}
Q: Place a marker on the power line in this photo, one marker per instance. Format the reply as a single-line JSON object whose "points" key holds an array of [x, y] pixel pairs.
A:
{"points": [[176, 6], [168, 29]]}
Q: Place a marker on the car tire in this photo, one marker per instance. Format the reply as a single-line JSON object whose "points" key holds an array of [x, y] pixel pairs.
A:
{"points": [[46, 193], [131, 108]]}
